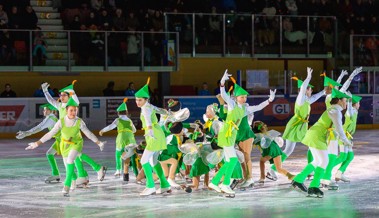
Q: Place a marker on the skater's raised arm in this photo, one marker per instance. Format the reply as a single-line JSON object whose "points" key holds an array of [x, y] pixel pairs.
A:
{"points": [[351, 77], [300, 99], [343, 73], [229, 101], [48, 97], [315, 97]]}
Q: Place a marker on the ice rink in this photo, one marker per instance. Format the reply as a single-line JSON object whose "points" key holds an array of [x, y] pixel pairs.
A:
{"points": [[23, 192]]}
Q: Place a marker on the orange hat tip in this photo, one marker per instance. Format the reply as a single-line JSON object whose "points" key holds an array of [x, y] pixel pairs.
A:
{"points": [[148, 80], [233, 80], [125, 100], [294, 78], [323, 74], [73, 82]]}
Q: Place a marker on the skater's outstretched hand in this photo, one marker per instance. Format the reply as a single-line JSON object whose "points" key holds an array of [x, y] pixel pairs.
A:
{"points": [[32, 145], [309, 72], [356, 72], [44, 86], [21, 134], [225, 77], [101, 133], [272, 95], [101, 144]]}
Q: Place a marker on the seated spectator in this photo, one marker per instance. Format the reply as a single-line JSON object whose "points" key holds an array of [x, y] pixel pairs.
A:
{"points": [[109, 91], [15, 18], [105, 20], [119, 23], [39, 92], [8, 52], [3, 18], [132, 22], [29, 19], [97, 4], [39, 47], [8, 92], [291, 7], [130, 91], [290, 35], [92, 20], [204, 89]]}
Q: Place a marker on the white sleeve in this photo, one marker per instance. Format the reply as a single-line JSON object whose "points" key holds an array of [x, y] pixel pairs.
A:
{"points": [[146, 113], [315, 97], [340, 77], [46, 123], [300, 99], [110, 126], [87, 132], [57, 127], [229, 101], [159, 110], [336, 117], [252, 109], [51, 100], [346, 85]]}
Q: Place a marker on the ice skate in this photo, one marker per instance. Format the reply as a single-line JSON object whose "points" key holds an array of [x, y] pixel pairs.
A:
{"points": [[164, 190], [271, 175], [341, 177], [214, 187], [319, 193], [228, 192], [234, 184], [73, 185], [247, 183], [148, 191], [117, 174], [101, 173], [82, 182], [173, 184], [312, 192], [126, 177], [299, 186], [66, 191], [52, 179], [333, 186]]}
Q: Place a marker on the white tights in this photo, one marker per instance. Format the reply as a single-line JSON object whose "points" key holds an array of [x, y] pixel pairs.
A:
{"points": [[149, 156], [320, 158]]}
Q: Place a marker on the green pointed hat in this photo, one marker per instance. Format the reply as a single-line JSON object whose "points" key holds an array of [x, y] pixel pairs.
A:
{"points": [[300, 82], [49, 106], [69, 87], [144, 91], [329, 82], [356, 98], [72, 102], [123, 106], [238, 90], [338, 94]]}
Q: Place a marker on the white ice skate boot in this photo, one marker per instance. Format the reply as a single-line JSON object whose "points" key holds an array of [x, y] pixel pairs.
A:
{"points": [[247, 183], [214, 187], [226, 189], [117, 173], [52, 179], [164, 190], [271, 174], [73, 185], [341, 177], [173, 183], [344, 178], [82, 182], [66, 191], [101, 173], [148, 191]]}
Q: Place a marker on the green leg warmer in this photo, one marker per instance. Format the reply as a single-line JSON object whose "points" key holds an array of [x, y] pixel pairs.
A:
{"points": [[319, 173], [341, 158], [53, 164], [159, 171], [309, 156], [118, 160], [228, 173], [149, 175], [216, 179], [329, 168], [284, 157], [69, 174], [303, 174], [79, 167], [345, 164], [95, 166], [237, 172]]}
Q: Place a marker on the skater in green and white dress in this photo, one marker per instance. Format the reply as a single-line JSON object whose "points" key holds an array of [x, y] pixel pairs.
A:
{"points": [[228, 133], [316, 139], [333, 139], [297, 126], [125, 137], [71, 143], [270, 152], [47, 123], [346, 152], [155, 142]]}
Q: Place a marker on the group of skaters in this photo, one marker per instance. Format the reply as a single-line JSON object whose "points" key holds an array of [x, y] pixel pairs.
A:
{"points": [[221, 142]]}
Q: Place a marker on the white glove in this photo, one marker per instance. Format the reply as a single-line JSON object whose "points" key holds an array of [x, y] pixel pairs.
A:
{"points": [[32, 145], [101, 145], [272, 95], [21, 134], [344, 73], [44, 87], [150, 133], [309, 71], [101, 133], [225, 77], [355, 72]]}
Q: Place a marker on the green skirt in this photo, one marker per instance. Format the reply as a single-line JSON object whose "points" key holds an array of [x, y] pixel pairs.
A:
{"points": [[199, 168], [273, 151]]}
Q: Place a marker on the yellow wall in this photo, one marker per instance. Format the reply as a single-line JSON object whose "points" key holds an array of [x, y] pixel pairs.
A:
{"points": [[193, 71]]}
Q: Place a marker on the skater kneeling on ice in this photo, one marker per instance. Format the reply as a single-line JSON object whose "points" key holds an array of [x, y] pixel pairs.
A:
{"points": [[71, 143], [269, 142]]}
